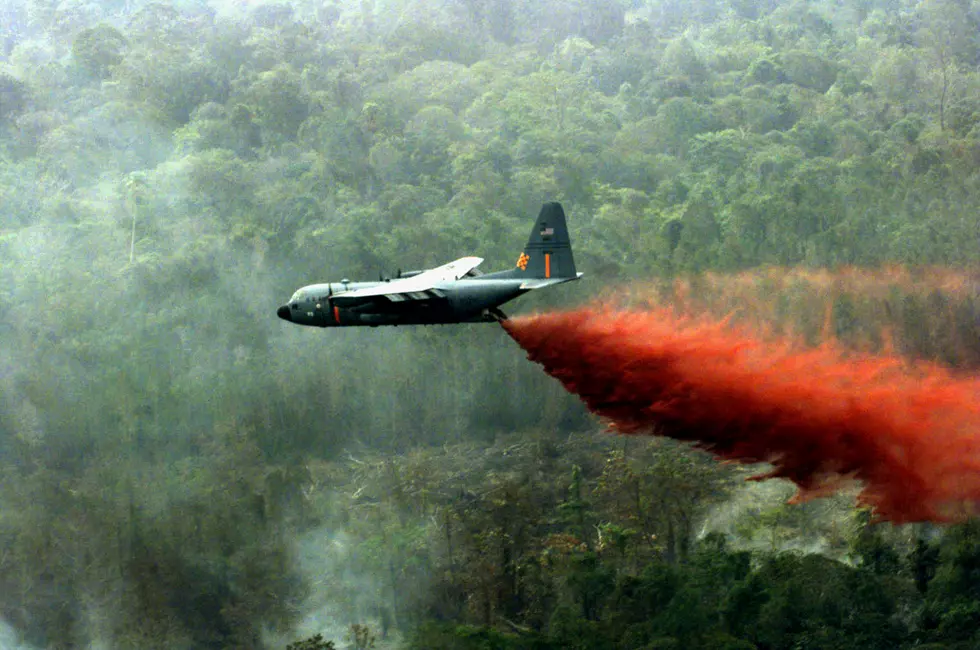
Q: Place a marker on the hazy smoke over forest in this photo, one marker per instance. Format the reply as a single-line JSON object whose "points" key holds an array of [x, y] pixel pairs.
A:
{"points": [[182, 469]]}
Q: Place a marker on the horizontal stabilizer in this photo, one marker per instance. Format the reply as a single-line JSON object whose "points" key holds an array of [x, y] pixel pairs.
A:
{"points": [[541, 283]]}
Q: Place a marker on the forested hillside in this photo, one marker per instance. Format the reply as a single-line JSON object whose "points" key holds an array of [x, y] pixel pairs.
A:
{"points": [[181, 469]]}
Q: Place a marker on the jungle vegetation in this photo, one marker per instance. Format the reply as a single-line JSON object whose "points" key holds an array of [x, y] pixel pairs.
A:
{"points": [[180, 469]]}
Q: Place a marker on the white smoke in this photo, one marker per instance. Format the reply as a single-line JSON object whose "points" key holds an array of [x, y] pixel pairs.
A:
{"points": [[10, 640]]}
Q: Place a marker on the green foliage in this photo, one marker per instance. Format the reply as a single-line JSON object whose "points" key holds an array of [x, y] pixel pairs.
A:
{"points": [[277, 99], [164, 180], [419, 41], [99, 49], [808, 70], [951, 612], [874, 552], [13, 96], [764, 71], [315, 642], [360, 637], [443, 636]]}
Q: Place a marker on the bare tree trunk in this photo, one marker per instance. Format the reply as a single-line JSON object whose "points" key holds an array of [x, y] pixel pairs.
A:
{"points": [[944, 69]]}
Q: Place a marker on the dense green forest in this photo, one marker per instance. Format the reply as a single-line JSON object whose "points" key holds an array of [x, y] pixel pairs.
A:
{"points": [[181, 469]]}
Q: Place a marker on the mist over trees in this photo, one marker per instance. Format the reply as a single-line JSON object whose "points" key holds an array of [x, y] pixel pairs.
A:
{"points": [[180, 469]]}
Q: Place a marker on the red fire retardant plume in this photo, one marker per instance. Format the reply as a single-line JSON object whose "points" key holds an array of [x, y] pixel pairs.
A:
{"points": [[821, 416]]}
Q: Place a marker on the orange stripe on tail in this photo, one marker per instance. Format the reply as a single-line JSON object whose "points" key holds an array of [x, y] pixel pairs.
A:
{"points": [[547, 265]]}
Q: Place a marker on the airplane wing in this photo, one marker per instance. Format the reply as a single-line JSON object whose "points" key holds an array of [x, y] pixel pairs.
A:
{"points": [[417, 287]]}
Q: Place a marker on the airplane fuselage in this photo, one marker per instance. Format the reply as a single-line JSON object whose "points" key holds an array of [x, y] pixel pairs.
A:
{"points": [[451, 293], [467, 300]]}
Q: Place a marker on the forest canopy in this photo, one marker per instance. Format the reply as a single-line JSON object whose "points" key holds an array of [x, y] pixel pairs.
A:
{"points": [[181, 469]]}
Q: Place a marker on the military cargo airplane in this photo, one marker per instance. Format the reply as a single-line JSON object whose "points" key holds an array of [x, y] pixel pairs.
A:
{"points": [[453, 293]]}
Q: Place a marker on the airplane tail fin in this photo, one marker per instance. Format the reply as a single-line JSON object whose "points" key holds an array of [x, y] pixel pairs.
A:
{"points": [[548, 252]]}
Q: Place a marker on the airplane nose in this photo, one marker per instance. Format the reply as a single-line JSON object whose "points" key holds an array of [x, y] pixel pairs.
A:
{"points": [[283, 313]]}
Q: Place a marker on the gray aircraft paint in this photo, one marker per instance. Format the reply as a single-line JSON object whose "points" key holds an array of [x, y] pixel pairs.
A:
{"points": [[472, 298]]}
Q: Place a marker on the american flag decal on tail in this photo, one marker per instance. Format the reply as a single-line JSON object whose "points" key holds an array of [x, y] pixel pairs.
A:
{"points": [[547, 232]]}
